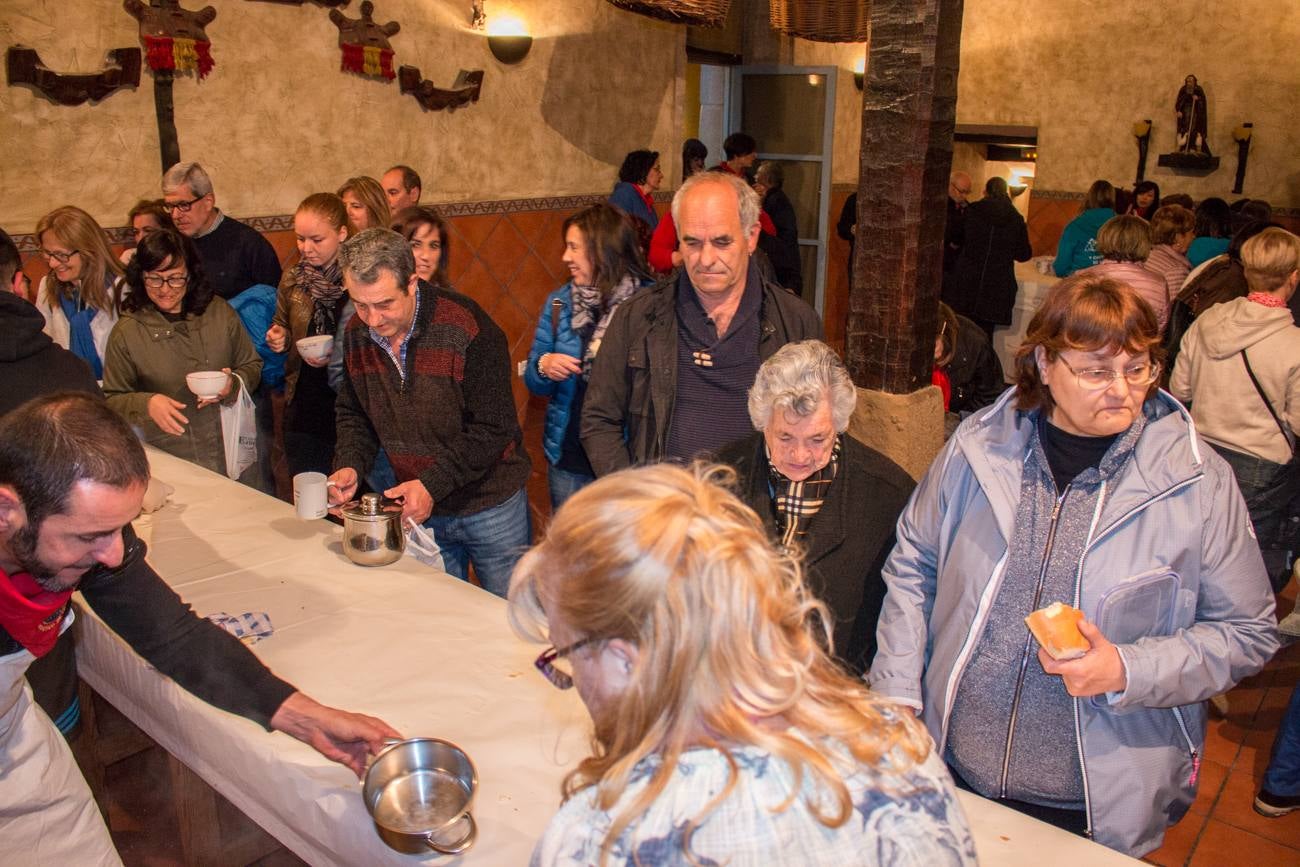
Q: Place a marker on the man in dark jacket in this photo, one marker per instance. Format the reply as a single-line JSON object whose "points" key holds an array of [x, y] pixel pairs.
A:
{"points": [[72, 476], [983, 283], [783, 248], [428, 380], [678, 359]]}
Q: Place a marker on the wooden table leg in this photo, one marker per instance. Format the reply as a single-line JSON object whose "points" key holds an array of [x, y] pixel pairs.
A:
{"points": [[204, 842]]}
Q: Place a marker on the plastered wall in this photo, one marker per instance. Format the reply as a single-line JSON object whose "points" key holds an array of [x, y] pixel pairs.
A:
{"points": [[1084, 72], [276, 119]]}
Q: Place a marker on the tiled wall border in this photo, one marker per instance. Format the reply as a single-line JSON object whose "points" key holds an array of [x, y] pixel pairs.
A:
{"points": [[27, 243]]}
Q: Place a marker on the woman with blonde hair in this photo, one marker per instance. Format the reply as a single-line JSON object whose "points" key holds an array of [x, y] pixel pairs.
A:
{"points": [[724, 732], [366, 204], [309, 303], [81, 296]]}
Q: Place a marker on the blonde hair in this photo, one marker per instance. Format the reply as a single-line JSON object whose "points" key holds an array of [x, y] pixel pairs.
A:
{"points": [[1270, 258], [729, 640], [79, 231], [369, 193], [1126, 238]]}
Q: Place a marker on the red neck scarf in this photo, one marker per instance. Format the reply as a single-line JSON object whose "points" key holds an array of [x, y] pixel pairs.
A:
{"points": [[645, 197], [1266, 299], [30, 613]]}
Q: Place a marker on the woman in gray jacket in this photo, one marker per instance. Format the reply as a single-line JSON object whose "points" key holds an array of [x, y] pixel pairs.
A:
{"points": [[1085, 485]]}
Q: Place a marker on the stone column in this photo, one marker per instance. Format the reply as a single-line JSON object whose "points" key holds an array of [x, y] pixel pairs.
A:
{"points": [[909, 105]]}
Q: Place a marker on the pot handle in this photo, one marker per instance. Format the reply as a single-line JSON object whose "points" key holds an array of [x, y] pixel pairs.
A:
{"points": [[460, 845]]}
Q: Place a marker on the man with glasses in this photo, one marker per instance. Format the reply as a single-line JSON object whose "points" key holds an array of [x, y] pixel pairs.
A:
{"points": [[959, 189], [235, 255]]}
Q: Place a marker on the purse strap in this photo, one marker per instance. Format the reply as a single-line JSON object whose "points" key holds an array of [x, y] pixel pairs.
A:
{"points": [[1286, 435]]}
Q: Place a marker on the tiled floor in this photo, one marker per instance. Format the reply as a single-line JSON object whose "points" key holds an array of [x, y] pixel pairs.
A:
{"points": [[1222, 828]]}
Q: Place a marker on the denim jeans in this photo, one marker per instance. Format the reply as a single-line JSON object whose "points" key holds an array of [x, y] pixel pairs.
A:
{"points": [[493, 540], [1283, 775], [564, 484], [1269, 490]]}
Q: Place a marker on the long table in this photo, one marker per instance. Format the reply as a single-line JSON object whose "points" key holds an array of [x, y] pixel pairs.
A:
{"points": [[428, 653]]}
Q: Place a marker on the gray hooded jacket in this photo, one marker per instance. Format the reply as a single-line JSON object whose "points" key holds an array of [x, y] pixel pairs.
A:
{"points": [[1170, 572]]}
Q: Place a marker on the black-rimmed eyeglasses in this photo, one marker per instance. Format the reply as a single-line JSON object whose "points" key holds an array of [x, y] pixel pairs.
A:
{"points": [[59, 256], [546, 662], [183, 207]]}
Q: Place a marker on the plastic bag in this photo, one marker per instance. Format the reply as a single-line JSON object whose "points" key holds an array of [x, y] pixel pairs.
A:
{"points": [[239, 430], [421, 545]]}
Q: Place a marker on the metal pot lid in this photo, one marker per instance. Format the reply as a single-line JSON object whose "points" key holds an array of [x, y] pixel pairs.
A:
{"points": [[372, 507]]}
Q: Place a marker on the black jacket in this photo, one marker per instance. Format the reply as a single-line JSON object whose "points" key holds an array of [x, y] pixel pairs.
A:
{"points": [[31, 363], [975, 372], [983, 283], [849, 538], [634, 378], [783, 250]]}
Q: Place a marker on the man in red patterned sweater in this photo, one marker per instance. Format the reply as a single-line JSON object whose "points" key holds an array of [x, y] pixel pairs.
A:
{"points": [[427, 377]]}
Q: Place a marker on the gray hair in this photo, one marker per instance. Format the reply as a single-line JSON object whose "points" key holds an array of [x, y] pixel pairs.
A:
{"points": [[796, 379], [771, 174], [190, 175], [745, 195], [368, 253]]}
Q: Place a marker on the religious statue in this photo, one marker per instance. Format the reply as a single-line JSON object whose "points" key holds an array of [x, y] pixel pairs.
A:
{"points": [[1191, 110]]}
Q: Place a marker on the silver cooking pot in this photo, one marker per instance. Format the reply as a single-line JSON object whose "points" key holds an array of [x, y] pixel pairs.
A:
{"points": [[419, 793], [372, 531]]}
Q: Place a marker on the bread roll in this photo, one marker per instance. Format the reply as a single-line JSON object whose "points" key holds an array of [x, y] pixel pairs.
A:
{"points": [[1057, 629]]}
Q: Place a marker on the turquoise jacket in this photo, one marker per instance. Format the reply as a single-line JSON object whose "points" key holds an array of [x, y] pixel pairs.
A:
{"points": [[1078, 247]]}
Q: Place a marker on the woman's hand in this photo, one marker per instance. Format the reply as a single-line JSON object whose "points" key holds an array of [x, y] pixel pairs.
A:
{"points": [[557, 365], [276, 338], [316, 362], [166, 413], [225, 391], [1098, 671]]}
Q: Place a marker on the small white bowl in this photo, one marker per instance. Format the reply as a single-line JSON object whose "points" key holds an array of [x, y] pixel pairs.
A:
{"points": [[316, 348], [206, 384]]}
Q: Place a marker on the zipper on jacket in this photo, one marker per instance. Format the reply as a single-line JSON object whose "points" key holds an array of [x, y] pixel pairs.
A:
{"points": [[1075, 705], [1191, 747], [1029, 643]]}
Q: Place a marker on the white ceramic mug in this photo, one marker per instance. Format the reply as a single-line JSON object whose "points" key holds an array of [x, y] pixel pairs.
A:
{"points": [[311, 495]]}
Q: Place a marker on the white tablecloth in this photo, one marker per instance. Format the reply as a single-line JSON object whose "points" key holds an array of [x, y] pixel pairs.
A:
{"points": [[1033, 288], [431, 655]]}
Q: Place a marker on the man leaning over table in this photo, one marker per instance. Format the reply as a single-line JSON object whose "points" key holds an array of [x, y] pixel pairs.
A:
{"points": [[427, 377], [72, 477]]}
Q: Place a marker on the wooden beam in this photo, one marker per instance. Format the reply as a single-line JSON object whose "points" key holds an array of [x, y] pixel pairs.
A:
{"points": [[909, 104]]}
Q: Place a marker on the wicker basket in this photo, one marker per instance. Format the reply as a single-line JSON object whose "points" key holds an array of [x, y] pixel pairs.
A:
{"points": [[703, 13], [823, 20]]}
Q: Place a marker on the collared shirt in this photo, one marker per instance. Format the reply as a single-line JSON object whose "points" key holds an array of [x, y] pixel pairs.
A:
{"points": [[399, 357], [714, 373], [210, 229]]}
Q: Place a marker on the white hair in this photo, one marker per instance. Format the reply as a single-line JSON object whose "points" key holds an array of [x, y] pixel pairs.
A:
{"points": [[796, 379], [745, 196], [190, 175]]}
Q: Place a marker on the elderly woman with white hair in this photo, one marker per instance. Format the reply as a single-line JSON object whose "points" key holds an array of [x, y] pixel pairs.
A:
{"points": [[820, 492], [724, 734]]}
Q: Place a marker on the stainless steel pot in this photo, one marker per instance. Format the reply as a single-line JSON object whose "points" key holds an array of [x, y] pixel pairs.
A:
{"points": [[372, 531], [419, 793]]}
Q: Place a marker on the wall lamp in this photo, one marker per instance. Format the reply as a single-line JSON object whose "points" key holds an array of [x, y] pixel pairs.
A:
{"points": [[859, 72], [508, 39]]}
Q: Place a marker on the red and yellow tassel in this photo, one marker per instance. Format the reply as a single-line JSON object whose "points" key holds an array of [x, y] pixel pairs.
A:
{"points": [[181, 55], [368, 60]]}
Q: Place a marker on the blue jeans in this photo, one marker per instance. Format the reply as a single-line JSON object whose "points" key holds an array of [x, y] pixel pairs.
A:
{"points": [[493, 540], [564, 484], [1283, 775], [1268, 490]]}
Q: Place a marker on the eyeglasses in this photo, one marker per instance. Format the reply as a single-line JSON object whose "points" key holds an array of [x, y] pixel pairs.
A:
{"points": [[1098, 378], [176, 281], [58, 256], [546, 663], [183, 207]]}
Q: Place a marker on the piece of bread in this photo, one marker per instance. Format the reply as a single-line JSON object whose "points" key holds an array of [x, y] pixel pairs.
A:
{"points": [[1057, 629]]}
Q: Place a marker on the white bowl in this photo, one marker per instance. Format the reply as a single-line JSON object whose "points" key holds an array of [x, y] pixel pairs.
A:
{"points": [[206, 384], [316, 348]]}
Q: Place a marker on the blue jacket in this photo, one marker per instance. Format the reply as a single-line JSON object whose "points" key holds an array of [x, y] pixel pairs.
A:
{"points": [[256, 308], [629, 199], [1171, 539], [1078, 247], [1205, 248], [567, 342]]}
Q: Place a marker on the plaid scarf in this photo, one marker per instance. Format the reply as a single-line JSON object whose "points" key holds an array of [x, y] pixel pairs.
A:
{"points": [[325, 286], [592, 312], [797, 502]]}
